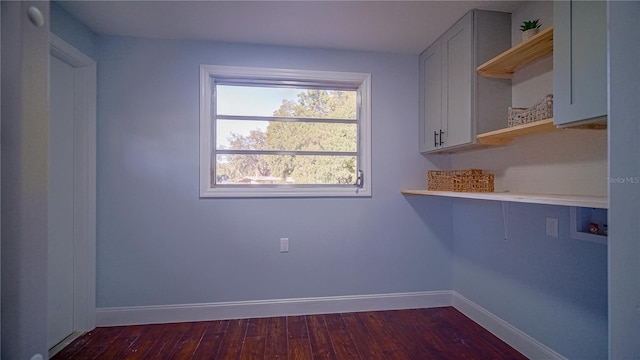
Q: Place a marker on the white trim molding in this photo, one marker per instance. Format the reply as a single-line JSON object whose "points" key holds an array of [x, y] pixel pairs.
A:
{"points": [[361, 81], [525, 344], [268, 308], [517, 339]]}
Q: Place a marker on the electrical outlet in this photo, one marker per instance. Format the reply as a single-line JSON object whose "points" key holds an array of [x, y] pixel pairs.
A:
{"points": [[284, 245], [552, 227]]}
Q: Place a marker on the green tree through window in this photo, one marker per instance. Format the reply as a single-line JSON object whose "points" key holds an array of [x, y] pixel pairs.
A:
{"points": [[315, 137]]}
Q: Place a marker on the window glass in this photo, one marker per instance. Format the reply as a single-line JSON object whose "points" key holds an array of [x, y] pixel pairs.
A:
{"points": [[296, 131]]}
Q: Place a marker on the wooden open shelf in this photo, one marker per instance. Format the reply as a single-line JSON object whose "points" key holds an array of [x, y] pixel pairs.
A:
{"points": [[504, 65], [505, 136], [600, 202]]}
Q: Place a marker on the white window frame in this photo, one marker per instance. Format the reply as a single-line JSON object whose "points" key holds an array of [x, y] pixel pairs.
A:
{"points": [[362, 81]]}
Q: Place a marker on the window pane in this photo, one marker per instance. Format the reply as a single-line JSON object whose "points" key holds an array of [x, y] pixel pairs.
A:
{"points": [[285, 102], [285, 136], [285, 169]]}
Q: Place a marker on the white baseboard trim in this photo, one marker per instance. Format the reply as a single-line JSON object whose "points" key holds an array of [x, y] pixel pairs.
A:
{"points": [[517, 339], [64, 343], [525, 344], [267, 308]]}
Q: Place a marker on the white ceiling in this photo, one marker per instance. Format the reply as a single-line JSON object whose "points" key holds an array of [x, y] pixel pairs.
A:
{"points": [[386, 26]]}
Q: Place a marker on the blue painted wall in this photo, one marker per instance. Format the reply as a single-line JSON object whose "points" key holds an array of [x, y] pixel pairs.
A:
{"points": [[73, 31], [159, 243], [553, 289]]}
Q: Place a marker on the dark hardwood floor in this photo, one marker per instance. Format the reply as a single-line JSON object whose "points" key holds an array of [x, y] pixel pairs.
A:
{"points": [[436, 333]]}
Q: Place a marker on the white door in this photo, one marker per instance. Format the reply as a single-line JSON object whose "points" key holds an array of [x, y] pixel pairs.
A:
{"points": [[61, 203], [71, 195]]}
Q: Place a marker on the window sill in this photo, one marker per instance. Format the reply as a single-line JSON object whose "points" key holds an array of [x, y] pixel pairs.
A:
{"points": [[284, 192]]}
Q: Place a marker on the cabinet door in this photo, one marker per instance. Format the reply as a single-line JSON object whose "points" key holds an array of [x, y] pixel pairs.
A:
{"points": [[457, 70], [430, 97], [579, 61]]}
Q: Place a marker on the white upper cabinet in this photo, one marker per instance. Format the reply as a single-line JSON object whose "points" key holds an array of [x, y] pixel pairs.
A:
{"points": [[431, 97], [454, 102], [457, 84], [579, 62]]}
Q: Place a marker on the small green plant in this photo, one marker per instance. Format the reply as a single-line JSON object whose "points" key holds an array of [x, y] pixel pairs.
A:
{"points": [[528, 25]]}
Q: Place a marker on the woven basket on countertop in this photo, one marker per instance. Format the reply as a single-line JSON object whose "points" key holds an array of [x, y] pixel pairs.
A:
{"points": [[470, 180], [540, 111]]}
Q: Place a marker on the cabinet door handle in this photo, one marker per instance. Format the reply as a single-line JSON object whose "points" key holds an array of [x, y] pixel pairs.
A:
{"points": [[435, 139], [441, 132]]}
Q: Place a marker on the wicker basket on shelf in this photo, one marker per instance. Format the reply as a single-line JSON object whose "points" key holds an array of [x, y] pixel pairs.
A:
{"points": [[470, 180], [540, 111]]}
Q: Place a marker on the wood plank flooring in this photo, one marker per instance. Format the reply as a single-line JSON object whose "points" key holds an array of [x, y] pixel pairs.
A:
{"points": [[436, 333]]}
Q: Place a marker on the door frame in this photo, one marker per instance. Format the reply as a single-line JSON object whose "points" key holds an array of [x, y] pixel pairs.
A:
{"points": [[84, 178]]}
